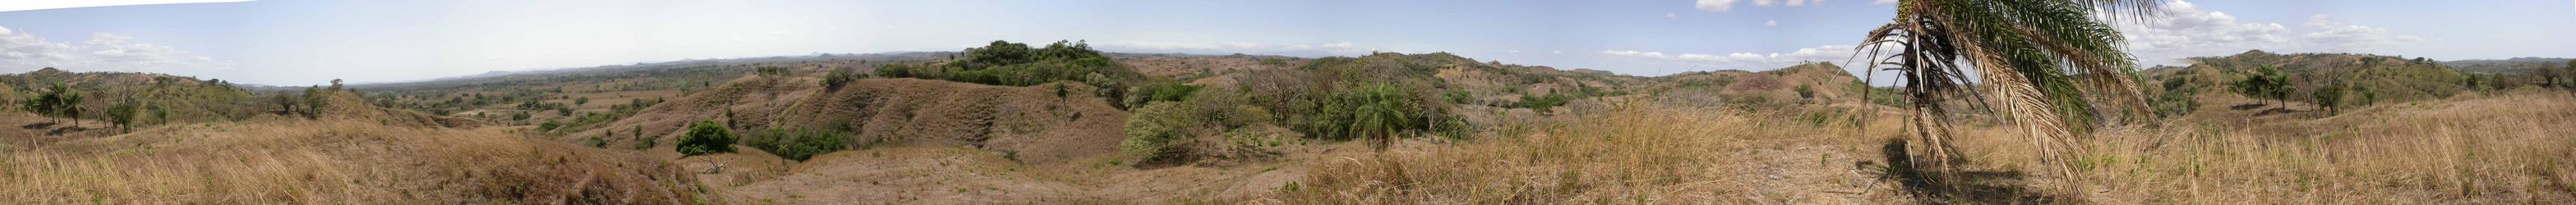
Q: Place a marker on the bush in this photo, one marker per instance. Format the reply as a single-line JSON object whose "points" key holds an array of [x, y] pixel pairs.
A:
{"points": [[798, 144], [1160, 91], [898, 71], [706, 137], [644, 141], [1152, 131], [838, 77]]}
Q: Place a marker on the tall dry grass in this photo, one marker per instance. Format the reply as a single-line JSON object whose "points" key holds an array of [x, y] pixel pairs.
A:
{"points": [[310, 162], [2503, 149], [1637, 153]]}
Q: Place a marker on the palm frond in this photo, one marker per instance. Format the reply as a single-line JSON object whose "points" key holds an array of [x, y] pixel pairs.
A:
{"points": [[2045, 63]]}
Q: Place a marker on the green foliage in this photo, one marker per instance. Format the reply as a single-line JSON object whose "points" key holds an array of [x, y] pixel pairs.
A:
{"points": [[315, 100], [581, 101], [2176, 102], [2266, 83], [836, 78], [643, 141], [770, 70], [56, 101], [1153, 129], [1805, 92], [1159, 130], [2330, 97], [899, 71], [1160, 91], [798, 144], [1382, 112], [706, 137], [1543, 103], [549, 125], [1458, 97], [122, 114]]}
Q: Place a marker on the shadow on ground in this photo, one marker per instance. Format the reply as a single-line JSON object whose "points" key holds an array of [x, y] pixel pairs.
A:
{"points": [[1965, 186]]}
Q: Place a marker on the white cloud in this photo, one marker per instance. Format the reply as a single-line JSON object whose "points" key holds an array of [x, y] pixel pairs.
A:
{"points": [[1630, 53], [56, 4], [1882, 2], [1714, 5], [1515, 51], [1804, 2], [2186, 30], [1771, 23], [1671, 16], [2336, 35], [1338, 45], [20, 51], [1749, 61], [1556, 52], [1764, 2]]}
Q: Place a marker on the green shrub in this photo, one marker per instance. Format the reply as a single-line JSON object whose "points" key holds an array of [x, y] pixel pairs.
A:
{"points": [[839, 77], [899, 71], [1153, 129], [798, 144], [706, 137], [1543, 103], [1458, 97], [644, 141]]}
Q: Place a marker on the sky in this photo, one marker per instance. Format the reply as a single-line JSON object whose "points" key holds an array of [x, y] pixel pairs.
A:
{"points": [[291, 42]]}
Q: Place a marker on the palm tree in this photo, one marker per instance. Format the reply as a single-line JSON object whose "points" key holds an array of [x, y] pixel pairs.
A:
{"points": [[2043, 62], [1380, 114]]}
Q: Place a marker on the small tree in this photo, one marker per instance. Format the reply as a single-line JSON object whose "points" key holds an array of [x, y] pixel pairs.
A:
{"points": [[315, 99], [581, 101], [833, 80], [122, 115], [2266, 84], [2330, 97], [706, 137]]}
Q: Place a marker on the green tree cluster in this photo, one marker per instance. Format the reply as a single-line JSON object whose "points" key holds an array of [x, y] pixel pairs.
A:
{"points": [[2266, 83], [798, 144], [706, 137], [57, 101]]}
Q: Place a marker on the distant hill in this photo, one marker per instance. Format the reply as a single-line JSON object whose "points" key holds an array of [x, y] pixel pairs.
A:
{"points": [[2387, 78], [2506, 66]]}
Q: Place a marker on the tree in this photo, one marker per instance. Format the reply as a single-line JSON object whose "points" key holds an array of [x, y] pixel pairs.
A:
{"points": [[581, 101], [833, 80], [2265, 84], [285, 103], [122, 115], [706, 137], [315, 100], [2548, 76], [2330, 97], [57, 100], [70, 106], [1382, 111], [2044, 62]]}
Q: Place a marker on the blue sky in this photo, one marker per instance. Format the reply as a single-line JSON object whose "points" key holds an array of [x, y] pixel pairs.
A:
{"points": [[308, 42]]}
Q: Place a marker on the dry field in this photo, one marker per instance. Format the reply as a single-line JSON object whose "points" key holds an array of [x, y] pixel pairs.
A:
{"points": [[2506, 148], [275, 161]]}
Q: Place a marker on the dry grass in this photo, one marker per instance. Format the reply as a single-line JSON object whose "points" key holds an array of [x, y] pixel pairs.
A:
{"points": [[1632, 154], [2511, 148], [2505, 149], [310, 162]]}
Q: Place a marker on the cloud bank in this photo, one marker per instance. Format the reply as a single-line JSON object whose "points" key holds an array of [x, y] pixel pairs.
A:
{"points": [[20, 52]]}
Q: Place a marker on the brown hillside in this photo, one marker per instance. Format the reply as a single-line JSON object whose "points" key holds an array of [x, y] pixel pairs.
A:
{"points": [[318, 162], [348, 106], [1030, 122]]}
